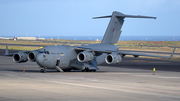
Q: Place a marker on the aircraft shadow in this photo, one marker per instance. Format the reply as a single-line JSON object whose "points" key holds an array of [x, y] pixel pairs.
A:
{"points": [[173, 68]]}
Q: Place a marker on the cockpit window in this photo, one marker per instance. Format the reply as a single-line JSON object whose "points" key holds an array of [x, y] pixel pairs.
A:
{"points": [[43, 51], [46, 52], [40, 51]]}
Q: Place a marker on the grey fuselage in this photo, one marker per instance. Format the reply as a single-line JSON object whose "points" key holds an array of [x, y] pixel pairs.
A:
{"points": [[67, 55]]}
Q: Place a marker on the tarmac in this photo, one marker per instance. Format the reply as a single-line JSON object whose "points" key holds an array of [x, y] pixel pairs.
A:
{"points": [[131, 80]]}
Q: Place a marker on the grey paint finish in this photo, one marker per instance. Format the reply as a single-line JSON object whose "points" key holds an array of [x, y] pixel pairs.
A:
{"points": [[87, 57], [113, 30], [65, 54]]}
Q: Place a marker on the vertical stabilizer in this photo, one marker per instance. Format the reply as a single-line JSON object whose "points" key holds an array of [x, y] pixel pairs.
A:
{"points": [[113, 30]]}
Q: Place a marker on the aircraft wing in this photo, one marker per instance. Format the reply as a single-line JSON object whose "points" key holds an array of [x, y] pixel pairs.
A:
{"points": [[123, 53], [140, 54], [11, 54]]}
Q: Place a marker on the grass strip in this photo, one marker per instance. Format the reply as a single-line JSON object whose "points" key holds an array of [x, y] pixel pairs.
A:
{"points": [[19, 47]]}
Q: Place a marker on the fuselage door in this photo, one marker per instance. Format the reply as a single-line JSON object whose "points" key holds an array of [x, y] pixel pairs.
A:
{"points": [[57, 63]]}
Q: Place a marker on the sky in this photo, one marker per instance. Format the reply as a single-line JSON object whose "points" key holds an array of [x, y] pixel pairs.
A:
{"points": [[74, 17]]}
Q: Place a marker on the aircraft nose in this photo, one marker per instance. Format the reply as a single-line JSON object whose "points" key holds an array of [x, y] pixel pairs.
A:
{"points": [[39, 60]]}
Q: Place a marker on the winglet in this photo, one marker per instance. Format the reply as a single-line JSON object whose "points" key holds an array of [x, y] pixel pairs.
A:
{"points": [[172, 53], [6, 52]]}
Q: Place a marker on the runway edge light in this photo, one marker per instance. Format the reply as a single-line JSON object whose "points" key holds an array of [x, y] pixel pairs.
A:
{"points": [[23, 70]]}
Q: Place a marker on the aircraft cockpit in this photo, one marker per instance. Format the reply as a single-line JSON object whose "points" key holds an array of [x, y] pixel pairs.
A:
{"points": [[43, 51]]}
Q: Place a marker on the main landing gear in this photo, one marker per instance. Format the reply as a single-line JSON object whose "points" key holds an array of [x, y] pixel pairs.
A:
{"points": [[66, 70], [87, 70]]}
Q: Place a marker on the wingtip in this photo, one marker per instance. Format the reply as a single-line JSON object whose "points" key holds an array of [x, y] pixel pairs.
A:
{"points": [[172, 53], [6, 52]]}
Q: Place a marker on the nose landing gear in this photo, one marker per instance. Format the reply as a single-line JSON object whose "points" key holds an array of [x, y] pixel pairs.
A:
{"points": [[43, 70]]}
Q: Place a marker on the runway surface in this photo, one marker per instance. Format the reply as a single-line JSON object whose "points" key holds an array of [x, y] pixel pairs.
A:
{"points": [[131, 80]]}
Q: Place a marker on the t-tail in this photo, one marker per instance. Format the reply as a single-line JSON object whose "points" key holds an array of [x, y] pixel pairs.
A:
{"points": [[113, 30]]}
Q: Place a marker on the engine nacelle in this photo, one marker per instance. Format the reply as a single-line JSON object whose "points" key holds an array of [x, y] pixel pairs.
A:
{"points": [[113, 59], [85, 56], [32, 56], [20, 57]]}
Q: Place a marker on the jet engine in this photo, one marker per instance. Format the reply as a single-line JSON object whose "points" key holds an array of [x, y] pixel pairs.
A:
{"points": [[85, 56], [20, 57], [32, 56], [113, 59]]}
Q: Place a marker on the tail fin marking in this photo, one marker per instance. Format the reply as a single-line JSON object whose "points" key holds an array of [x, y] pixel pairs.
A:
{"points": [[113, 30]]}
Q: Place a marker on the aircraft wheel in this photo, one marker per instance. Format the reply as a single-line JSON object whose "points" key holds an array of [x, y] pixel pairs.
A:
{"points": [[67, 70], [91, 70], [86, 69], [43, 71]]}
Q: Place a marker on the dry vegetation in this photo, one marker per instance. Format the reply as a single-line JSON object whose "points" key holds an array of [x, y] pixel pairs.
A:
{"points": [[19, 47], [125, 45], [149, 45]]}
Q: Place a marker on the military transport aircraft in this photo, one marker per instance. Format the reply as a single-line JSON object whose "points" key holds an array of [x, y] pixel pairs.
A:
{"points": [[85, 57]]}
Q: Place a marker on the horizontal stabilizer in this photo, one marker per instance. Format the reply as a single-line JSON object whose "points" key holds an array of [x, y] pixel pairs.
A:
{"points": [[137, 16], [121, 15], [113, 30], [102, 17]]}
